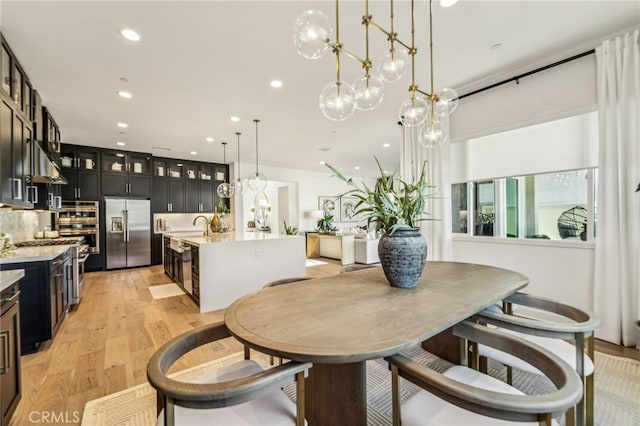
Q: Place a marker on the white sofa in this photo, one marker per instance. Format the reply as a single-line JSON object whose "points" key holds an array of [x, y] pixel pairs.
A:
{"points": [[366, 251]]}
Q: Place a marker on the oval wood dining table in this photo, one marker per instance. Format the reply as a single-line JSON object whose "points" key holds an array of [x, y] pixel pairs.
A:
{"points": [[339, 322]]}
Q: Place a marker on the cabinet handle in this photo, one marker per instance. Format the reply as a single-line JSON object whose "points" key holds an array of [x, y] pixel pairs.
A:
{"points": [[79, 195], [58, 201], [16, 187], [6, 359]]}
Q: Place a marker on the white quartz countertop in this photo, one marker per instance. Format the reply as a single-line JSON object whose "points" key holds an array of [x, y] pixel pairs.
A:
{"points": [[225, 237], [8, 278], [34, 254]]}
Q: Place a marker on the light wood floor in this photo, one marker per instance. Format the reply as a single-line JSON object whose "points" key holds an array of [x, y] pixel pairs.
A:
{"points": [[103, 346]]}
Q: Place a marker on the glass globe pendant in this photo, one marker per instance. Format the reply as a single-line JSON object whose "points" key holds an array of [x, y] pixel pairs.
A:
{"points": [[433, 134], [225, 190], [393, 65], [311, 32], [369, 91], [257, 181], [413, 112], [447, 102], [337, 101], [240, 185]]}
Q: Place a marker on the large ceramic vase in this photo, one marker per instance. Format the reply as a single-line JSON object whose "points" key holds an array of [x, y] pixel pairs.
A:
{"points": [[402, 255]]}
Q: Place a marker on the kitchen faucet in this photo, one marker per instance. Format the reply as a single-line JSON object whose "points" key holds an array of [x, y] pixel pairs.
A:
{"points": [[206, 227]]}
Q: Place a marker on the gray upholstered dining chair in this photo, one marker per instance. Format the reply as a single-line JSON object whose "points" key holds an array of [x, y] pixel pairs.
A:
{"points": [[238, 394], [551, 332], [463, 396]]}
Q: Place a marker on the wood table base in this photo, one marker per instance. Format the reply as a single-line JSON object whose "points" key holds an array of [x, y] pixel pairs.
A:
{"points": [[336, 394]]}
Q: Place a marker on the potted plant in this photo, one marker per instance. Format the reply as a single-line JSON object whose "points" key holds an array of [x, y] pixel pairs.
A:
{"points": [[325, 223], [290, 229], [396, 207]]}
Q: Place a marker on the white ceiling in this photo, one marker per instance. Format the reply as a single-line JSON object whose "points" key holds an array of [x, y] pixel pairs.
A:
{"points": [[199, 63]]}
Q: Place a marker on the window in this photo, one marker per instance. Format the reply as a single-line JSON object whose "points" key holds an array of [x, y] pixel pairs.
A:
{"points": [[459, 207], [484, 208], [555, 206]]}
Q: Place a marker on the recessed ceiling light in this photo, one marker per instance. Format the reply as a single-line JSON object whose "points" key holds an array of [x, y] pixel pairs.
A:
{"points": [[209, 139], [179, 164], [122, 125], [125, 94], [235, 119], [120, 143], [129, 34], [119, 155], [357, 167], [386, 145], [194, 153], [323, 162], [276, 83], [448, 3]]}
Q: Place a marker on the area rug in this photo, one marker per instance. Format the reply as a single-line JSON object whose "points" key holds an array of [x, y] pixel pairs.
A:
{"points": [[312, 262], [617, 386], [165, 290]]}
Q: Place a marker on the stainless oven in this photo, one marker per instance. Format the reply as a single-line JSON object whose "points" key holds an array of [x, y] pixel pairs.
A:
{"points": [[79, 255], [80, 219]]}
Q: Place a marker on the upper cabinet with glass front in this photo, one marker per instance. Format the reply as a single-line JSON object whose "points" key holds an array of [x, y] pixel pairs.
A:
{"points": [[15, 83]]}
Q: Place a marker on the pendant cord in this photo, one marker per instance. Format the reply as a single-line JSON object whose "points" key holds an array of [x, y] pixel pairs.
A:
{"points": [[238, 134], [255, 120], [224, 158]]}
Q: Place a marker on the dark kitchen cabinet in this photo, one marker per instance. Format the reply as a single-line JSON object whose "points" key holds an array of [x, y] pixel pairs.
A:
{"points": [[156, 249], [39, 294], [10, 377], [50, 134], [168, 193], [195, 273], [15, 130], [199, 194], [126, 173], [167, 257], [81, 168]]}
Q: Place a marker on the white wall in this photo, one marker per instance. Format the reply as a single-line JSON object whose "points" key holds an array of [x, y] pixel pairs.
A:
{"points": [[558, 270], [310, 185], [561, 271]]}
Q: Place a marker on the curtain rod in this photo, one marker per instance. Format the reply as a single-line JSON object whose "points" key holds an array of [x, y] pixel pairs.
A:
{"points": [[537, 70]]}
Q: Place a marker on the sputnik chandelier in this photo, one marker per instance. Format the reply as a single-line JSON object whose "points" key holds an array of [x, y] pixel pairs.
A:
{"points": [[339, 99]]}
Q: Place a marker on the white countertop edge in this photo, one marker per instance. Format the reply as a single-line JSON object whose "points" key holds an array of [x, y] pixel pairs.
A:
{"points": [[34, 254], [8, 278]]}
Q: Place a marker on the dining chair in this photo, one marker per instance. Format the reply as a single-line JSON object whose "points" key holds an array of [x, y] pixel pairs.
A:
{"points": [[464, 396], [549, 324], [241, 393]]}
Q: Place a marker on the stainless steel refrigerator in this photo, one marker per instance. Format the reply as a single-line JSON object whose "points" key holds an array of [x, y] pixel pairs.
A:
{"points": [[128, 226]]}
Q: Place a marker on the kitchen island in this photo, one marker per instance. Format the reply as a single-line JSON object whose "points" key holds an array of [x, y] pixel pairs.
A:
{"points": [[228, 265]]}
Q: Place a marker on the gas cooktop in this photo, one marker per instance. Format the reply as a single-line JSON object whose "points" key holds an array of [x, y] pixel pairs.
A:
{"points": [[48, 242]]}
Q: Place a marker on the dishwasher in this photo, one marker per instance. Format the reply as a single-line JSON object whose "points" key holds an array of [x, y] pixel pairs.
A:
{"points": [[181, 259]]}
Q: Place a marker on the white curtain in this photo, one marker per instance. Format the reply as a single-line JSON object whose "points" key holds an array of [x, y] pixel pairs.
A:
{"points": [[437, 230], [617, 268]]}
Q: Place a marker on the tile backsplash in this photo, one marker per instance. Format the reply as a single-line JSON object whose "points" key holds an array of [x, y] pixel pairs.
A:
{"points": [[21, 225]]}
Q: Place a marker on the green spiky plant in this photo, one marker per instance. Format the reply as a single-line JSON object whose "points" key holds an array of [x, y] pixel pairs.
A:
{"points": [[325, 223], [289, 229], [392, 203]]}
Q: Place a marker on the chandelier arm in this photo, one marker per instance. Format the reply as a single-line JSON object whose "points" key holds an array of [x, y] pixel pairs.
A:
{"points": [[352, 56], [431, 41], [413, 51], [366, 19], [388, 34]]}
